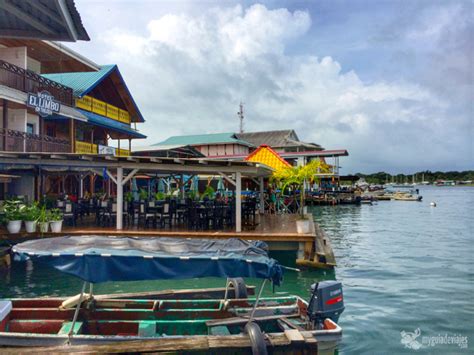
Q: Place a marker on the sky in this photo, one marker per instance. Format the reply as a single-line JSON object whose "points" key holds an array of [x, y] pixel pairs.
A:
{"points": [[390, 81]]}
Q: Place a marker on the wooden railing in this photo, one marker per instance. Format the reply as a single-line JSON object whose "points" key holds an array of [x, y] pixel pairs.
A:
{"points": [[104, 109], [89, 148], [85, 148], [16, 141], [28, 81], [122, 152]]}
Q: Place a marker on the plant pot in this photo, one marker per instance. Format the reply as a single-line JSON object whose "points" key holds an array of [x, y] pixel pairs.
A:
{"points": [[14, 226], [56, 226], [30, 226], [43, 227], [302, 226]]}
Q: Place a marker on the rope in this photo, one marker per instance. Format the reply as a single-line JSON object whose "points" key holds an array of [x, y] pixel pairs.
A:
{"points": [[256, 300]]}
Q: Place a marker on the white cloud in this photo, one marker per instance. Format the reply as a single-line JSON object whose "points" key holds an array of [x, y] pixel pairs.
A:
{"points": [[189, 72]]}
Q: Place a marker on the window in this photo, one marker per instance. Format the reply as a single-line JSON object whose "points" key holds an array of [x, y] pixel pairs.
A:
{"points": [[30, 128]]}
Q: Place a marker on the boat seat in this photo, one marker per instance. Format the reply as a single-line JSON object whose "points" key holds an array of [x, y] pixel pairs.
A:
{"points": [[66, 327], [147, 329], [219, 330]]}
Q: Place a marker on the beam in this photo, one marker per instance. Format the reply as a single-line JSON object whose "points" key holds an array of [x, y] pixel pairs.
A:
{"points": [[119, 183], [227, 178], [111, 176], [129, 176], [238, 202]]}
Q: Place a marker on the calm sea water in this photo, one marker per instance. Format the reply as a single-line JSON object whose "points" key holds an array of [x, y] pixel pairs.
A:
{"points": [[404, 266]]}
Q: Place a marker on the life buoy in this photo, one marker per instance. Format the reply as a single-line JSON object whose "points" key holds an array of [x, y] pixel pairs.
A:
{"points": [[240, 289], [257, 339]]}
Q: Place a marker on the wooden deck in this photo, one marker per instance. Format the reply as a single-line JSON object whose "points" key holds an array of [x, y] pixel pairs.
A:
{"points": [[278, 231]]}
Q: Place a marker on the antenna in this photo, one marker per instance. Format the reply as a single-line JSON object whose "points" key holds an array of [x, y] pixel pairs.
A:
{"points": [[241, 117]]}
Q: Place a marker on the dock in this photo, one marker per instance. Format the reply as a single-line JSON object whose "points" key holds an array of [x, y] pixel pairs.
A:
{"points": [[311, 250]]}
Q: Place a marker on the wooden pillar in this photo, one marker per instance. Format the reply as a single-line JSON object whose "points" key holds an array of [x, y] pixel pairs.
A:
{"points": [[72, 135], [130, 145], [118, 147], [5, 123], [238, 202], [119, 198], [40, 131]]}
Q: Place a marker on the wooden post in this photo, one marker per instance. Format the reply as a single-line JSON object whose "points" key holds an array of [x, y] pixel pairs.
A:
{"points": [[118, 147], [182, 186], [130, 145], [238, 202], [119, 198], [72, 135], [5, 123]]}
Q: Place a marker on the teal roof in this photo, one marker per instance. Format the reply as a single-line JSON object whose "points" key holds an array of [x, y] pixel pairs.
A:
{"points": [[84, 82], [198, 139], [81, 82]]}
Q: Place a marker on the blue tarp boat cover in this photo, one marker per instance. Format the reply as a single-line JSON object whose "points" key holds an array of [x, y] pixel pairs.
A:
{"points": [[100, 258]]}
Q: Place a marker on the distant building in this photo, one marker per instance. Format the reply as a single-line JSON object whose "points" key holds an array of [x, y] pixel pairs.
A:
{"points": [[237, 146], [210, 145], [282, 141]]}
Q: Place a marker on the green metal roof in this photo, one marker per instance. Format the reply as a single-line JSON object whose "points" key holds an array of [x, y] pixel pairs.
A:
{"points": [[84, 82], [81, 82], [213, 138]]}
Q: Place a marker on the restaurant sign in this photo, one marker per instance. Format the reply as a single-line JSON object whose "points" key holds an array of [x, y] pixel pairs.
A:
{"points": [[43, 103], [106, 150]]}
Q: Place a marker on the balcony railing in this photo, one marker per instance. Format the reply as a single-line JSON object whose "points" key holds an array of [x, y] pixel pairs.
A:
{"points": [[90, 148], [15, 141], [28, 81], [85, 148], [102, 108]]}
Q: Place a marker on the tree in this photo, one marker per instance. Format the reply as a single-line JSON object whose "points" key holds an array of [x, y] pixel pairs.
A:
{"points": [[296, 176]]}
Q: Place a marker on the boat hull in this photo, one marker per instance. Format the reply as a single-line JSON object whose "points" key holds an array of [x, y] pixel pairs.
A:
{"points": [[107, 324]]}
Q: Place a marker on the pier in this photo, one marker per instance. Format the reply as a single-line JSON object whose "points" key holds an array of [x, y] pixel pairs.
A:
{"points": [[278, 231]]}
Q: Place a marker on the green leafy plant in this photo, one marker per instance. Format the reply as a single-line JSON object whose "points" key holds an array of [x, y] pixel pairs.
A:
{"points": [[13, 210], [160, 196], [43, 215], [296, 176], [55, 215], [129, 196], [209, 192], [143, 194], [31, 212]]}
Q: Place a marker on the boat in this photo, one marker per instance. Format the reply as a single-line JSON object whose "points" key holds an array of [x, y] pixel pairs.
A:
{"points": [[220, 321], [445, 183], [406, 197]]}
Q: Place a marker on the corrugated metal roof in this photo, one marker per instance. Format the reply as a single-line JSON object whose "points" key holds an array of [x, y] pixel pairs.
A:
{"points": [[82, 82], [199, 139], [266, 155], [276, 139]]}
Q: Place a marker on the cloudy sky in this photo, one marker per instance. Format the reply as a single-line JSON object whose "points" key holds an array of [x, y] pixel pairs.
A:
{"points": [[391, 81]]}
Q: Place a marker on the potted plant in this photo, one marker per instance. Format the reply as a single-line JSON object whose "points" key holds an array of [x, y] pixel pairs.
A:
{"points": [[143, 195], [160, 196], [129, 197], [294, 178], [43, 219], [13, 210], [30, 216], [56, 220]]}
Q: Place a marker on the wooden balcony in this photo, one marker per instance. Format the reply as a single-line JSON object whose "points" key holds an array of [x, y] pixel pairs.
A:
{"points": [[15, 141], [85, 148], [102, 108], [28, 81], [89, 148]]}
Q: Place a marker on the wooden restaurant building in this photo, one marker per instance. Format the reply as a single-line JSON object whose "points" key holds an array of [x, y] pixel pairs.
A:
{"points": [[53, 100]]}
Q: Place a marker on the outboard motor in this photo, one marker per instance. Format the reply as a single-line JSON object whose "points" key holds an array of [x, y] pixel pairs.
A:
{"points": [[326, 302]]}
